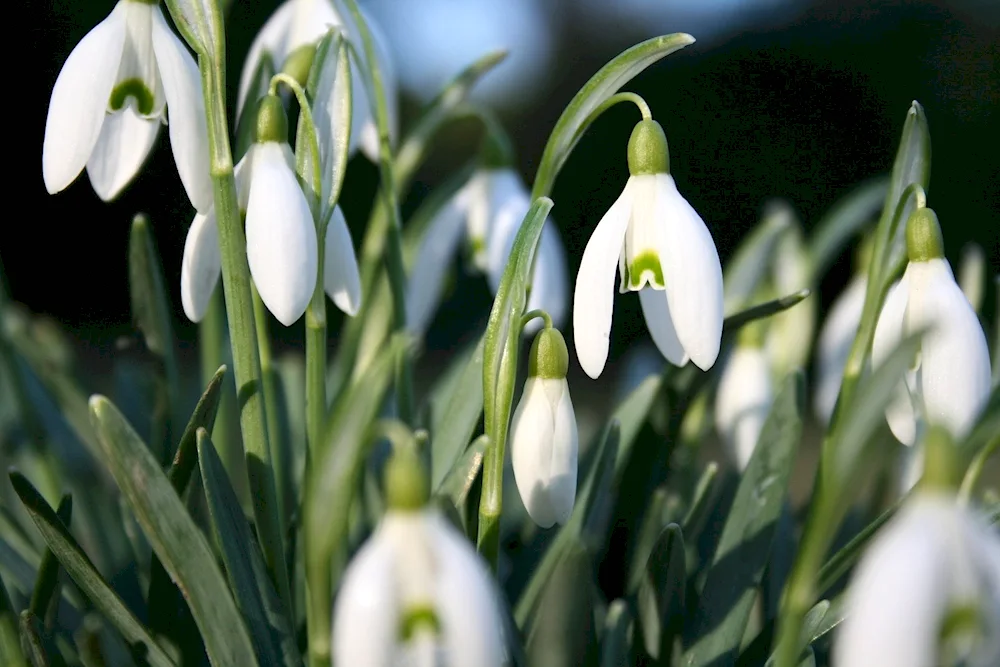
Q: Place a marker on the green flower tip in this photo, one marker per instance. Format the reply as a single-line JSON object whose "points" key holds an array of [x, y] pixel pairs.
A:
{"points": [[272, 123], [299, 62], [647, 149], [549, 358], [923, 236], [941, 465], [406, 487]]}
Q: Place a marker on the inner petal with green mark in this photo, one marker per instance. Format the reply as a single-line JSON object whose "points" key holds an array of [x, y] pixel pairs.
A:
{"points": [[418, 617], [641, 270], [137, 91]]}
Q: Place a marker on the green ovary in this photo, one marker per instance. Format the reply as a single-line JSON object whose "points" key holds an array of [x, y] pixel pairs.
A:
{"points": [[137, 90], [644, 269]]}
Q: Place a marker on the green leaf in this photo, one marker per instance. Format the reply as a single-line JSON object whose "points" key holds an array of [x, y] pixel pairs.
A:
{"points": [[255, 596], [453, 425], [331, 486], [36, 644], [200, 22], [701, 501], [841, 562], [737, 321], [846, 218], [176, 540], [563, 626], [660, 596], [10, 645], [713, 637], [650, 530], [203, 416], [852, 433], [616, 641], [608, 81], [459, 480], [752, 259], [86, 576], [912, 165], [330, 79], [48, 571]]}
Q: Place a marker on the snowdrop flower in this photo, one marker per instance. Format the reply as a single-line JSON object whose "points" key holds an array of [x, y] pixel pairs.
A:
{"points": [[417, 592], [925, 591], [743, 399], [544, 441], [950, 382], [834, 345], [110, 99], [486, 213], [280, 232], [302, 23], [662, 250]]}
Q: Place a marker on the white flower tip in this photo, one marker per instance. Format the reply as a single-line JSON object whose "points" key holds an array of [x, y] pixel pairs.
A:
{"points": [[706, 353], [592, 361]]}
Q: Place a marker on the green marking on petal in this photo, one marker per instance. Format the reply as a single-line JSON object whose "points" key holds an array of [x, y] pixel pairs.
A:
{"points": [[136, 89], [645, 269], [417, 617]]}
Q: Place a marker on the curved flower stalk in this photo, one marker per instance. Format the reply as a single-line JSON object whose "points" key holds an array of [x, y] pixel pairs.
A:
{"points": [[926, 591], [663, 250], [950, 383], [486, 214], [281, 235], [302, 23], [416, 592], [744, 397], [112, 95], [544, 441]]}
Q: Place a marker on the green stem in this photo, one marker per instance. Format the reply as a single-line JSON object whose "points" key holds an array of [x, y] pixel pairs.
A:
{"points": [[242, 330], [532, 314], [394, 247], [975, 470], [316, 368]]}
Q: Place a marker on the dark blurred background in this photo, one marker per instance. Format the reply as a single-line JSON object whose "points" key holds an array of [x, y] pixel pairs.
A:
{"points": [[799, 99]]}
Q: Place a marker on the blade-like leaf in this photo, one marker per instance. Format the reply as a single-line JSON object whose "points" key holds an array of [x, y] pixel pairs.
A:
{"points": [[255, 596], [452, 426], [912, 165], [752, 259], [48, 571], [714, 635], [86, 576], [608, 81], [660, 596], [616, 641], [150, 305], [203, 417], [459, 480], [200, 22], [846, 218], [175, 538], [840, 562], [37, 645], [10, 645], [701, 501], [564, 624]]}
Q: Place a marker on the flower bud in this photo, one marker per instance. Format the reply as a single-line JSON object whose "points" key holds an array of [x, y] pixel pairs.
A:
{"points": [[544, 440], [647, 149]]}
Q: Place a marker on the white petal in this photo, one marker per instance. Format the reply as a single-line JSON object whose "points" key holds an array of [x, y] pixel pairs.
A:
{"points": [[692, 273], [125, 142], [271, 38], [834, 345], [186, 111], [898, 595], [467, 600], [900, 413], [954, 358], [656, 311], [366, 612], [340, 267], [594, 293], [80, 100], [201, 265], [549, 284], [281, 236], [544, 447], [507, 203], [743, 401], [434, 258]]}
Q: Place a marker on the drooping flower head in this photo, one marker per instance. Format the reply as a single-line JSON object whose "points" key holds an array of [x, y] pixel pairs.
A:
{"points": [[115, 91], [745, 394], [663, 250]]}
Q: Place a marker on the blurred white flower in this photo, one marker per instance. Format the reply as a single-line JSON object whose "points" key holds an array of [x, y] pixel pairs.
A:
{"points": [[663, 250], [298, 23], [834, 345], [416, 591], [926, 591], [743, 401], [486, 212], [110, 99]]}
